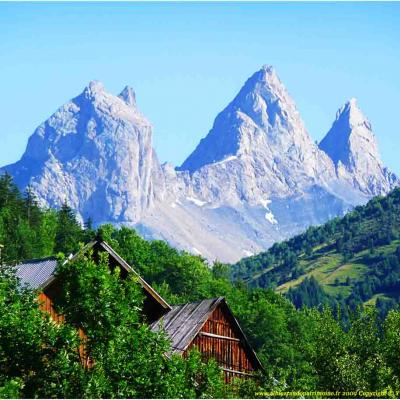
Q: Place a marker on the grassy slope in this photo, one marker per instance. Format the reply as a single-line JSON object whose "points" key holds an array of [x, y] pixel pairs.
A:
{"points": [[324, 262], [331, 271]]}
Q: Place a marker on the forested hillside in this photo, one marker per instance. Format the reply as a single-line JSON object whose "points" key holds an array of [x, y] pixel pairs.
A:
{"points": [[348, 261], [301, 349]]}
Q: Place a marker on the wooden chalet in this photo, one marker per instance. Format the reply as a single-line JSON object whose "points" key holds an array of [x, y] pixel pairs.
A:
{"points": [[208, 325]]}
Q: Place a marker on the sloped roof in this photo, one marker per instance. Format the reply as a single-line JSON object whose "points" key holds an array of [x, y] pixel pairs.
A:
{"points": [[184, 322], [36, 273], [142, 282], [39, 274]]}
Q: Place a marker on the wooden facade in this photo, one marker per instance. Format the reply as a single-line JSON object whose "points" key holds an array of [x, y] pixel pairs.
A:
{"points": [[45, 300], [219, 339], [208, 325], [46, 304]]}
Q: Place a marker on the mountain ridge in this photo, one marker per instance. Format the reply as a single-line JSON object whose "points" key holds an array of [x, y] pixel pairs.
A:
{"points": [[256, 178]]}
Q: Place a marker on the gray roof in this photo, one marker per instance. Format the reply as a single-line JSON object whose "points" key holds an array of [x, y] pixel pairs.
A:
{"points": [[183, 322], [36, 273]]}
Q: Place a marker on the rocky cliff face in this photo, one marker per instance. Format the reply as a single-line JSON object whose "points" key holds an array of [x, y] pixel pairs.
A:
{"points": [[352, 146], [261, 118], [95, 152], [256, 178]]}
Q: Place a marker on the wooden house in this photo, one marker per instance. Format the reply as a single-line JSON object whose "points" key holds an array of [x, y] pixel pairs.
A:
{"points": [[208, 325]]}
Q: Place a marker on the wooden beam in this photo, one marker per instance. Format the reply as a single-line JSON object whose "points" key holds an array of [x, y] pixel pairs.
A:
{"points": [[233, 371], [213, 335]]}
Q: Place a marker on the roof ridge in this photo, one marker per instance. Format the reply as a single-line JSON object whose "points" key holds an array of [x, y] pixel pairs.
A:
{"points": [[35, 260], [198, 301], [129, 268]]}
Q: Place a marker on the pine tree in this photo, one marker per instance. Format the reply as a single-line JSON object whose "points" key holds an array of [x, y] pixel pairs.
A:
{"points": [[69, 232]]}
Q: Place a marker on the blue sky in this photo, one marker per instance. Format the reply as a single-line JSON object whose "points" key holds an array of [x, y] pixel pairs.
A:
{"points": [[186, 61]]}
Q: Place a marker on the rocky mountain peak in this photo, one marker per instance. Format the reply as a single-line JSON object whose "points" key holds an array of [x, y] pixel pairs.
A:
{"points": [[268, 68], [128, 95], [351, 114], [267, 73], [350, 134], [261, 123], [265, 94], [96, 153], [96, 100], [353, 147], [257, 177], [94, 88]]}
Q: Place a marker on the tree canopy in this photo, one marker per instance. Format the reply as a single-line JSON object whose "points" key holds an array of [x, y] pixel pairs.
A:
{"points": [[307, 347]]}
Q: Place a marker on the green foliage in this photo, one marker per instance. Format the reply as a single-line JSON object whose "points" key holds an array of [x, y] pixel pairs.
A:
{"points": [[309, 294], [27, 231], [391, 345], [68, 232], [181, 273], [11, 389], [301, 348], [41, 359], [37, 357], [129, 359], [361, 246]]}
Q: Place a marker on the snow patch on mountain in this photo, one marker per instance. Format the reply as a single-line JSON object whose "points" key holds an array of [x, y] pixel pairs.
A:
{"points": [[198, 202], [225, 160], [265, 203], [270, 217]]}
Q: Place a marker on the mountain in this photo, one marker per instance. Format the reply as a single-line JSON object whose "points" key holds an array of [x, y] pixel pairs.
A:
{"points": [[352, 146], [255, 179], [95, 152], [262, 134], [354, 259]]}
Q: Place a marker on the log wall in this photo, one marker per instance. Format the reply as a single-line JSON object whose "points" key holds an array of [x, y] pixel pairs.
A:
{"points": [[218, 339], [46, 304]]}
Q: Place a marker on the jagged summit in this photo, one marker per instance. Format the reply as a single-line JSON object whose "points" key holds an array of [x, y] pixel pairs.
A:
{"points": [[128, 95], [95, 152], [262, 124], [94, 87], [352, 102], [353, 147], [259, 104], [352, 114], [264, 76], [99, 101], [267, 68], [350, 133], [265, 73], [96, 91]]}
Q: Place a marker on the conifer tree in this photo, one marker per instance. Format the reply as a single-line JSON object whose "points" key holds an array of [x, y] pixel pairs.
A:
{"points": [[69, 232]]}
